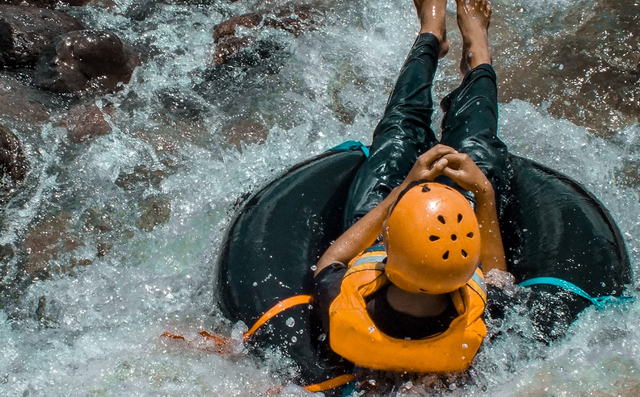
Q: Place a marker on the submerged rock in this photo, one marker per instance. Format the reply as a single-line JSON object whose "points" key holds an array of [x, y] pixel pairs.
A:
{"points": [[247, 130], [13, 164], [85, 61], [141, 179], [292, 18], [48, 3], [46, 241], [84, 123], [589, 76], [157, 211], [180, 104], [25, 31], [17, 103]]}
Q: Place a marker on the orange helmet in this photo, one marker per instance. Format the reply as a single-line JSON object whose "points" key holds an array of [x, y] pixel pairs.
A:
{"points": [[432, 239]]}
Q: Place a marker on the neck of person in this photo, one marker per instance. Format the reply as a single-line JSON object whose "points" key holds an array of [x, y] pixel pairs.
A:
{"points": [[416, 304]]}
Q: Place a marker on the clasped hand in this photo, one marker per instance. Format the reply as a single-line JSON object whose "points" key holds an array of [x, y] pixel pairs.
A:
{"points": [[444, 160]]}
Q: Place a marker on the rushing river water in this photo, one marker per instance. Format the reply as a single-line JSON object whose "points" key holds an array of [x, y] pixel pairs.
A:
{"points": [[138, 215]]}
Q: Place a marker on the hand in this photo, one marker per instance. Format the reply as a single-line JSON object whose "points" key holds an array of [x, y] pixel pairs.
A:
{"points": [[466, 173], [430, 165]]}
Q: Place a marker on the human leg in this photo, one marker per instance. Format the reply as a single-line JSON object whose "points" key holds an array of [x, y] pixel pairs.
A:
{"points": [[404, 132], [470, 122]]}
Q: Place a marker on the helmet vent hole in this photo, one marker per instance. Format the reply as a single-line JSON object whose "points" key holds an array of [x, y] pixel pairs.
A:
{"points": [[434, 238], [470, 234], [454, 237], [459, 218], [464, 253], [441, 219], [445, 256]]}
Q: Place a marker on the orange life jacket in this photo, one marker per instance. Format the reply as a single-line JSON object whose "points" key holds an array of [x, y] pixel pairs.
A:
{"points": [[354, 336]]}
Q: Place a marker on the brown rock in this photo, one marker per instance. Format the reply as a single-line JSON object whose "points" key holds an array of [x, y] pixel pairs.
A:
{"points": [[157, 211], [75, 3], [47, 3], [294, 19], [85, 61], [98, 222], [229, 47], [247, 130], [46, 241], [589, 76], [141, 179], [16, 102], [84, 123], [13, 164], [25, 31], [628, 174], [228, 28]]}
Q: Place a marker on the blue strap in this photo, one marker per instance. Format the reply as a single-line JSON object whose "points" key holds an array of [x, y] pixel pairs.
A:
{"points": [[350, 145], [600, 303], [349, 388]]}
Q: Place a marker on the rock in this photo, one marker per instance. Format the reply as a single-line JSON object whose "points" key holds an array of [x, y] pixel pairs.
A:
{"points": [[180, 104], [157, 211], [13, 164], [16, 102], [98, 222], [48, 3], [294, 19], [76, 3], [230, 47], [629, 174], [228, 28], [243, 78], [141, 179], [85, 61], [46, 241], [84, 123], [589, 76], [25, 31], [246, 130]]}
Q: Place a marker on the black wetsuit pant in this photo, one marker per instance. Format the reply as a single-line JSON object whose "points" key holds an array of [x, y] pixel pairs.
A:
{"points": [[470, 125]]}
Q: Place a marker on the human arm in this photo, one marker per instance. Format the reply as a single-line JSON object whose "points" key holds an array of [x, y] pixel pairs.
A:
{"points": [[365, 232], [467, 175]]}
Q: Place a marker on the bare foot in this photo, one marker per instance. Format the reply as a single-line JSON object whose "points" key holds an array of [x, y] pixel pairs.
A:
{"points": [[473, 21], [432, 15]]}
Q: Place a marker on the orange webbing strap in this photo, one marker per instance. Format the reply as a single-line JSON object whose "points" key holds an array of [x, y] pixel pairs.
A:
{"points": [[331, 383], [277, 309], [221, 341]]}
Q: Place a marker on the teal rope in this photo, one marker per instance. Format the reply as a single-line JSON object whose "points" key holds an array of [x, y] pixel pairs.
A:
{"points": [[600, 302], [349, 389], [350, 145]]}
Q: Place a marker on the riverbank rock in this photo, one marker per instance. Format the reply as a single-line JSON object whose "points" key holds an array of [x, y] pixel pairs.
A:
{"points": [[85, 61], [292, 18], [85, 122], [13, 164], [25, 31], [17, 103]]}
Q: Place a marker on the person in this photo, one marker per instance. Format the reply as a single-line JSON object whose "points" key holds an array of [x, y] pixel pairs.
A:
{"points": [[402, 288]]}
